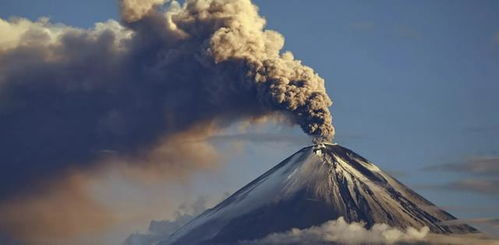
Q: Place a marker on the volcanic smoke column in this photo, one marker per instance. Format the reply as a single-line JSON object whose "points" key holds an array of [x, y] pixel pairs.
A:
{"points": [[283, 83], [139, 88], [247, 60], [165, 72]]}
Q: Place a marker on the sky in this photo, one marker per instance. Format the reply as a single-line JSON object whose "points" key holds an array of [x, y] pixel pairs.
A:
{"points": [[414, 86]]}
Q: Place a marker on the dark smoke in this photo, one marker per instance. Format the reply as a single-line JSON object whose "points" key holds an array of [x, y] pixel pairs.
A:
{"points": [[67, 94]]}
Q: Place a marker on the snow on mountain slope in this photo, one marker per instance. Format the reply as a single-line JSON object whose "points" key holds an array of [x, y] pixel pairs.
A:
{"points": [[314, 185]]}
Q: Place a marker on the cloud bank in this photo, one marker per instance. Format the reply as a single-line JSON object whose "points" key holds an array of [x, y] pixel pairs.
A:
{"points": [[480, 175], [340, 232]]}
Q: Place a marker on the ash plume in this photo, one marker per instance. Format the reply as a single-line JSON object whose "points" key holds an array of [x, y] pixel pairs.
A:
{"points": [[67, 94], [133, 10]]}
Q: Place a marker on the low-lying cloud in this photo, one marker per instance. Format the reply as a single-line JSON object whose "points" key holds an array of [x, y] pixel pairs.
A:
{"points": [[340, 232]]}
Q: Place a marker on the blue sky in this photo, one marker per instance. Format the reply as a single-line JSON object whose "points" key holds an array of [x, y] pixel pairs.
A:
{"points": [[414, 84]]}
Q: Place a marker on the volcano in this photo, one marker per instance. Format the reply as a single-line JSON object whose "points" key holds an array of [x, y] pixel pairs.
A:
{"points": [[316, 184]]}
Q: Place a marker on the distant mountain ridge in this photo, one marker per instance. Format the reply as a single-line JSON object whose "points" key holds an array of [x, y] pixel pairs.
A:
{"points": [[316, 184]]}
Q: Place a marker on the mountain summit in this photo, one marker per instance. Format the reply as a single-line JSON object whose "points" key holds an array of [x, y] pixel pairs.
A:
{"points": [[316, 184]]}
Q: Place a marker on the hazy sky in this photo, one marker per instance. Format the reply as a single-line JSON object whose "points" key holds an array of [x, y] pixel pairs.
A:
{"points": [[415, 84]]}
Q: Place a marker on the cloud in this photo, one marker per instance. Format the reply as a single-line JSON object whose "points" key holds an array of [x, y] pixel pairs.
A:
{"points": [[160, 230], [481, 175], [486, 165], [490, 221], [80, 203], [486, 225], [145, 92], [340, 232], [59, 211], [68, 94], [5, 240], [483, 186], [134, 10], [261, 138], [466, 208]]}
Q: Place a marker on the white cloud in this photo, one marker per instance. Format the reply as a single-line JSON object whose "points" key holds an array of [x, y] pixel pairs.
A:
{"points": [[340, 232]]}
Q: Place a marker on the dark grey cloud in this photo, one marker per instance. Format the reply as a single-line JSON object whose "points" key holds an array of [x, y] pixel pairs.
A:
{"points": [[487, 225], [6, 240], [477, 174], [482, 186], [261, 138], [161, 230], [490, 221], [477, 165], [138, 91], [68, 94], [474, 207]]}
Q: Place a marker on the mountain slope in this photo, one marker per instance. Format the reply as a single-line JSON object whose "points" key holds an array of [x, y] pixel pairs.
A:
{"points": [[314, 185]]}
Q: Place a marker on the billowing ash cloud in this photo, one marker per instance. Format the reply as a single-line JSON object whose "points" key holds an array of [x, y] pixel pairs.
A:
{"points": [[239, 61], [69, 94], [134, 10]]}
